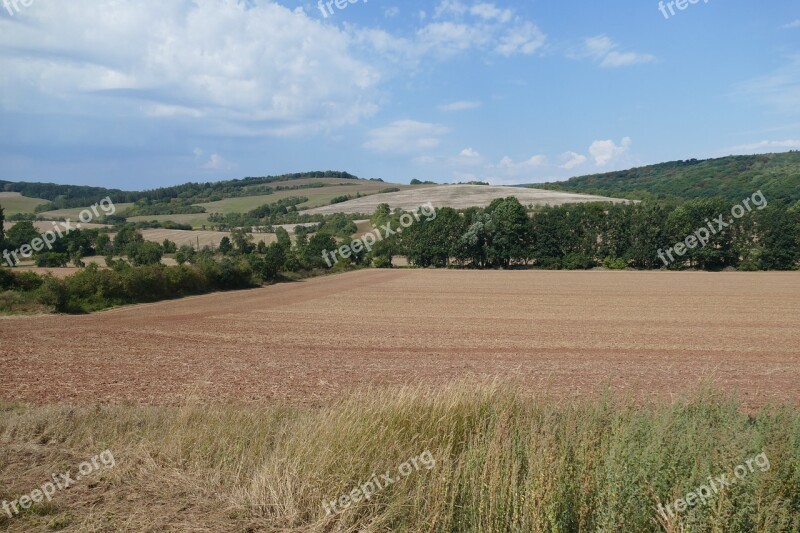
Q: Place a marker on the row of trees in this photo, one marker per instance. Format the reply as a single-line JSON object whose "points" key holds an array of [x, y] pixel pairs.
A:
{"points": [[581, 236], [577, 236]]}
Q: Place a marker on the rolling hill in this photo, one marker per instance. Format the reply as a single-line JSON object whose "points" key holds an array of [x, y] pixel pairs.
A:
{"points": [[458, 197], [733, 178]]}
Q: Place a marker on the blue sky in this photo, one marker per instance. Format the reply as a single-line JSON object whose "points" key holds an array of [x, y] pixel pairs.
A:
{"points": [[149, 93]]}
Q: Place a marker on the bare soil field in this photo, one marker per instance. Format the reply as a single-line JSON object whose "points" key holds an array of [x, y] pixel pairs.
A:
{"points": [[458, 197], [564, 333]]}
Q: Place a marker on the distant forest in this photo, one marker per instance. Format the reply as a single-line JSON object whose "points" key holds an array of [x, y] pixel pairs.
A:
{"points": [[731, 178]]}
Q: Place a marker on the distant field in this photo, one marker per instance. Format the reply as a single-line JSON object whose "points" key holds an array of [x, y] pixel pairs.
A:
{"points": [[72, 213], [43, 226], [316, 197], [206, 238], [308, 181], [196, 221], [13, 203], [459, 197]]}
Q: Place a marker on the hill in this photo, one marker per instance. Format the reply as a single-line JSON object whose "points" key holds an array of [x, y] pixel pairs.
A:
{"points": [[732, 178], [70, 196], [458, 197]]}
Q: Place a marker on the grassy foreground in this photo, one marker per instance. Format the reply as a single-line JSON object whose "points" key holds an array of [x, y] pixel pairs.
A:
{"points": [[503, 462]]}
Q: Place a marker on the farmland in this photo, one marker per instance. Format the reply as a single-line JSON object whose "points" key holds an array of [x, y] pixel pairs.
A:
{"points": [[14, 202], [251, 408], [458, 197], [563, 333]]}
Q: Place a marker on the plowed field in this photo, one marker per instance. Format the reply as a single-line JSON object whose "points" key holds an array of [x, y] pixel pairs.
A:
{"points": [[564, 333]]}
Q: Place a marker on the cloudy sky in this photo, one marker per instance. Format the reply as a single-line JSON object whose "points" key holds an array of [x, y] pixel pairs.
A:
{"points": [[145, 93]]}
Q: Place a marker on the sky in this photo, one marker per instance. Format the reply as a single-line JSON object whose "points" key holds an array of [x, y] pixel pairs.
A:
{"points": [[140, 94]]}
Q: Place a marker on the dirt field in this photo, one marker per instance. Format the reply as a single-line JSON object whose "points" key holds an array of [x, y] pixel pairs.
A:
{"points": [[458, 197], [565, 333]]}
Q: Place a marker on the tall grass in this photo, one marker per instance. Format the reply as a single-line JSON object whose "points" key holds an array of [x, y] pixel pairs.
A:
{"points": [[504, 462]]}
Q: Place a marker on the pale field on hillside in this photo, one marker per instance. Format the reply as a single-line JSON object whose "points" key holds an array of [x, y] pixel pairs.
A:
{"points": [[13, 203], [205, 238], [459, 197]]}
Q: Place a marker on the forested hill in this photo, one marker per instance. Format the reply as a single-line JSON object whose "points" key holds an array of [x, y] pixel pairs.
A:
{"points": [[66, 196], [733, 178]]}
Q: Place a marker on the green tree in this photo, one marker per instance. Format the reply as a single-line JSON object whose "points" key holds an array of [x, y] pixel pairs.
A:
{"points": [[225, 246], [22, 233], [145, 253], [185, 254], [512, 236], [242, 240], [312, 253], [778, 238], [169, 246]]}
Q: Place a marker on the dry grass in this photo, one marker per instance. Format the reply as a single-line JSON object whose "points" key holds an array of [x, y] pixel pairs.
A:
{"points": [[504, 462]]}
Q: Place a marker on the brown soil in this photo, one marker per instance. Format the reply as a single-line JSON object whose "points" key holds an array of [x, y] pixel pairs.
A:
{"points": [[564, 333]]}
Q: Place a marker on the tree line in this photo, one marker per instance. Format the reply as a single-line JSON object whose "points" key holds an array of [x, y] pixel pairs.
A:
{"points": [[584, 236]]}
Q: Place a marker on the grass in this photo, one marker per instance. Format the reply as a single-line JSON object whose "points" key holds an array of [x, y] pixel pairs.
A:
{"points": [[504, 462], [14, 203]]}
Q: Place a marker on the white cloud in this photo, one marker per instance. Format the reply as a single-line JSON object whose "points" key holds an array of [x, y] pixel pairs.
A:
{"points": [[469, 152], [217, 162], [461, 105], [765, 146], [605, 52], [792, 25], [604, 152], [391, 12], [572, 160], [508, 164], [524, 38], [405, 137], [224, 61], [456, 29], [491, 12]]}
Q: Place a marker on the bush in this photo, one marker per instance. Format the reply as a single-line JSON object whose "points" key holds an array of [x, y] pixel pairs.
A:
{"points": [[52, 260]]}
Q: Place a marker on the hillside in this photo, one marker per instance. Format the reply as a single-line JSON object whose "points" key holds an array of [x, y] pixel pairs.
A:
{"points": [[70, 196], [458, 197], [732, 178]]}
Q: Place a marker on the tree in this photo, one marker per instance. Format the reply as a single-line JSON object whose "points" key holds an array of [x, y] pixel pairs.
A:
{"points": [[312, 253], [103, 245], [22, 233], [2, 226], [512, 232], [169, 246], [125, 237], [778, 237], [242, 240], [225, 246], [185, 253], [145, 253]]}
